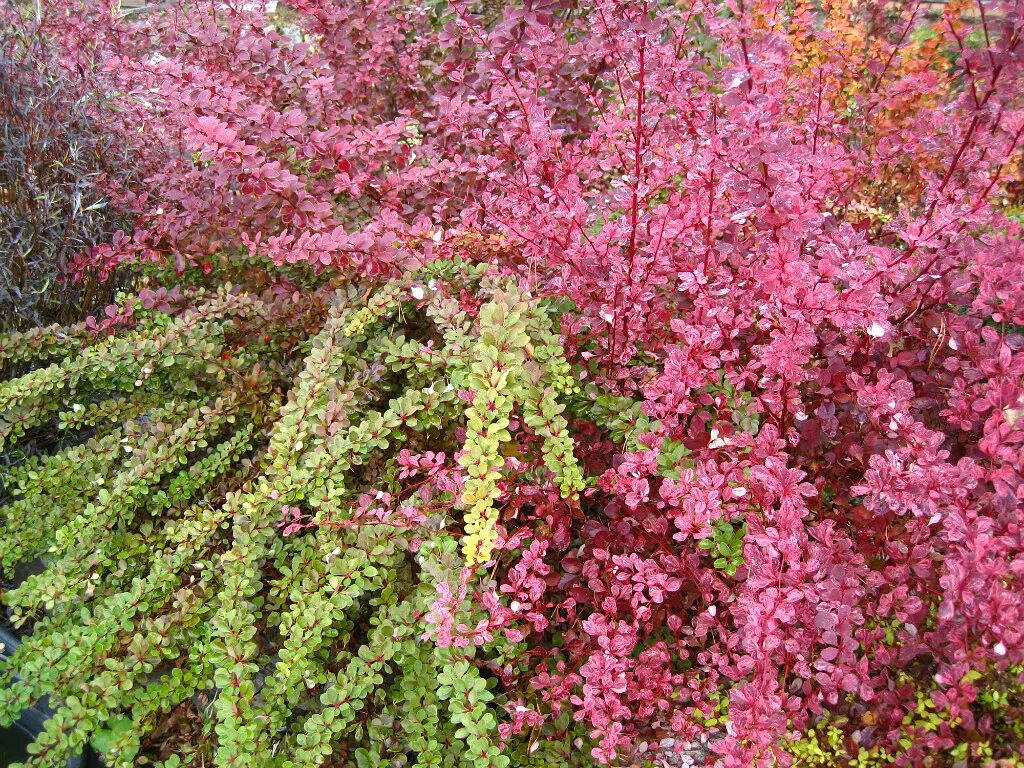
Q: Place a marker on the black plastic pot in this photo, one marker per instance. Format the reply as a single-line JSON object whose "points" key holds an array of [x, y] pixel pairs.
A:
{"points": [[14, 740]]}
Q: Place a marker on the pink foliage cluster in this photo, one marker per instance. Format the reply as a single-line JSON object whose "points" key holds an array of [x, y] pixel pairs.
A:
{"points": [[800, 264]]}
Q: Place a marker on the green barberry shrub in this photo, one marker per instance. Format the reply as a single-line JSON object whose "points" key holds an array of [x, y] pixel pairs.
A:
{"points": [[230, 565]]}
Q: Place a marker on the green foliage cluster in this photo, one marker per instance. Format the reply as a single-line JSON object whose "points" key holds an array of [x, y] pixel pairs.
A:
{"points": [[166, 598], [499, 377], [725, 544]]}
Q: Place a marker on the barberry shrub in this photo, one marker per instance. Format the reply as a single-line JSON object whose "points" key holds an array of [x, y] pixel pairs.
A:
{"points": [[784, 242], [245, 552]]}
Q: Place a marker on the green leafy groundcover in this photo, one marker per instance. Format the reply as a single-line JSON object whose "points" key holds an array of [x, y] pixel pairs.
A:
{"points": [[172, 601]]}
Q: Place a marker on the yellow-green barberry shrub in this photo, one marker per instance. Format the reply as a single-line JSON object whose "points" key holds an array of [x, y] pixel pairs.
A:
{"points": [[229, 566]]}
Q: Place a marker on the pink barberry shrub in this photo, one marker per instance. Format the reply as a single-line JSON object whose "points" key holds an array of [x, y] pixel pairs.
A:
{"points": [[786, 239]]}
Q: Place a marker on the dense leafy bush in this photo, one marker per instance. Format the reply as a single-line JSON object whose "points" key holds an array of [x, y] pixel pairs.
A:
{"points": [[54, 155], [772, 244], [166, 573]]}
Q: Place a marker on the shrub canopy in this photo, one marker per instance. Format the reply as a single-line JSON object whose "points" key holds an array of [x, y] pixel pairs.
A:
{"points": [[594, 380]]}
